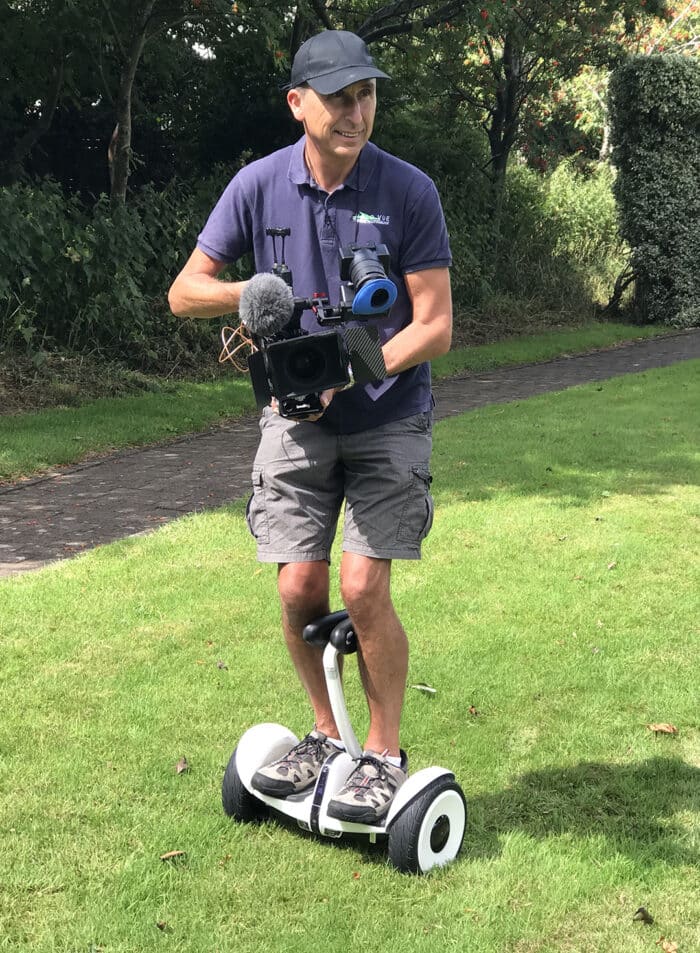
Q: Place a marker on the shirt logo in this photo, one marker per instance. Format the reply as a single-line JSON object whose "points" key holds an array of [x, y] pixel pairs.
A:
{"points": [[366, 218]]}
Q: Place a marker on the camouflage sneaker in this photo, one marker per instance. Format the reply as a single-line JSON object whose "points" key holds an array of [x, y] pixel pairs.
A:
{"points": [[297, 770], [370, 789]]}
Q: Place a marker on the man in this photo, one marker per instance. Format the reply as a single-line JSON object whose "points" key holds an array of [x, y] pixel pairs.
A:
{"points": [[371, 445]]}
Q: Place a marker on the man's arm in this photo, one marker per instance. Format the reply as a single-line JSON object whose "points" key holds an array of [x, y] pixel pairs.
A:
{"points": [[197, 292], [430, 332]]}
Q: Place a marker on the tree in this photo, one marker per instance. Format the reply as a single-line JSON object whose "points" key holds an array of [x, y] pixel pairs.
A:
{"points": [[131, 29]]}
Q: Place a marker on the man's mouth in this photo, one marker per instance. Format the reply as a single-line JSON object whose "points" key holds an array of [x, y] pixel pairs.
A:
{"points": [[348, 135]]}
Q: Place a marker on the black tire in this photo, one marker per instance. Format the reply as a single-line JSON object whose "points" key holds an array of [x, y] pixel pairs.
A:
{"points": [[237, 800], [430, 831]]}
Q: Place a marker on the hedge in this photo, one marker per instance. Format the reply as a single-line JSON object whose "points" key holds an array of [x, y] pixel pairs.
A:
{"points": [[655, 116]]}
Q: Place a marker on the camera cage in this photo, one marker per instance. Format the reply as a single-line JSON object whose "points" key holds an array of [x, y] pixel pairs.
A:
{"points": [[294, 366]]}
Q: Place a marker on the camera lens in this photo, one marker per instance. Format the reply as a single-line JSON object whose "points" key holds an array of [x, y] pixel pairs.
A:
{"points": [[305, 367], [308, 364], [365, 266]]}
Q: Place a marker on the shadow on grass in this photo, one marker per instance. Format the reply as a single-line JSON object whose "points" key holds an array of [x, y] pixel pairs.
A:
{"points": [[631, 809], [628, 809], [634, 808]]}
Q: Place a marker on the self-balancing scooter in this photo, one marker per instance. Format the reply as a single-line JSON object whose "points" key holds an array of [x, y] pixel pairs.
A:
{"points": [[425, 824]]}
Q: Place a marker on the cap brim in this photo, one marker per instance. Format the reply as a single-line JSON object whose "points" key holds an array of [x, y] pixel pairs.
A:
{"points": [[339, 79]]}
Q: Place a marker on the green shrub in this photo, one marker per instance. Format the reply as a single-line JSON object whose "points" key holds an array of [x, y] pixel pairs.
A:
{"points": [[559, 245], [655, 112], [96, 278], [582, 211], [415, 133]]}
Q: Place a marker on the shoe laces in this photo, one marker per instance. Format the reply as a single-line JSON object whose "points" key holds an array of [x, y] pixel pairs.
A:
{"points": [[359, 781], [307, 745]]}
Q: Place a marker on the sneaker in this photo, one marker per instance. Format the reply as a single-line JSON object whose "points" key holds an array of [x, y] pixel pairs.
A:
{"points": [[297, 770], [370, 789]]}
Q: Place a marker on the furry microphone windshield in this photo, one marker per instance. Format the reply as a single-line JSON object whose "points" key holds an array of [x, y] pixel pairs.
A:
{"points": [[266, 306]]}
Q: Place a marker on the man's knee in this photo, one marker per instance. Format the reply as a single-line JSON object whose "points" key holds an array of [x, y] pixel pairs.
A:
{"points": [[303, 589], [364, 586]]}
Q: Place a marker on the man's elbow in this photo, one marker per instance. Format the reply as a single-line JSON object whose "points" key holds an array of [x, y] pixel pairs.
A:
{"points": [[443, 340], [176, 302]]}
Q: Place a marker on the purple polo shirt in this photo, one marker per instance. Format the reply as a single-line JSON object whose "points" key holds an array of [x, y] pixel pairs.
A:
{"points": [[384, 199]]}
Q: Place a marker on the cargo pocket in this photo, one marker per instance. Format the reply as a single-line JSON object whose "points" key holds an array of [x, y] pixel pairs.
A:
{"points": [[417, 514], [256, 511]]}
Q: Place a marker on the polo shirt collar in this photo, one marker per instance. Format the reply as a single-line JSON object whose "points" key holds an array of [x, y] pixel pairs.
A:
{"points": [[360, 174]]}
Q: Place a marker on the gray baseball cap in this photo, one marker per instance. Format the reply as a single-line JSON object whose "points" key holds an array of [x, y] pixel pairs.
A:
{"points": [[331, 61]]}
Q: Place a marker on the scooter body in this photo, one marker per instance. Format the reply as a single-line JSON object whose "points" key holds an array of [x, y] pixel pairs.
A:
{"points": [[427, 818]]}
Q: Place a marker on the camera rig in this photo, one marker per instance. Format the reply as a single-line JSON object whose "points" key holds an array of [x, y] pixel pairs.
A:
{"points": [[366, 289], [295, 366]]}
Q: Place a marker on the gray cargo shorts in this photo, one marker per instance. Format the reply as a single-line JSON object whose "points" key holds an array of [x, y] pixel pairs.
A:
{"points": [[302, 474]]}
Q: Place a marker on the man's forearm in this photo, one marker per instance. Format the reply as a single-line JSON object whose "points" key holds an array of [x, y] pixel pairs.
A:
{"points": [[417, 343], [202, 296]]}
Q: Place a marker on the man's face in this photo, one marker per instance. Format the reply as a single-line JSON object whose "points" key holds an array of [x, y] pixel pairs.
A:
{"points": [[340, 124]]}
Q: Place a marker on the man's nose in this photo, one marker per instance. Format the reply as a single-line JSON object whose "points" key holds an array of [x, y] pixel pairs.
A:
{"points": [[354, 110]]}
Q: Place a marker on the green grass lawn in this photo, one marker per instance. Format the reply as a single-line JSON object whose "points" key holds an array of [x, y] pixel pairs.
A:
{"points": [[555, 614], [32, 443]]}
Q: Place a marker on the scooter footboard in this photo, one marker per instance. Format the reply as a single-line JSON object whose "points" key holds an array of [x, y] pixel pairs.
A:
{"points": [[260, 745]]}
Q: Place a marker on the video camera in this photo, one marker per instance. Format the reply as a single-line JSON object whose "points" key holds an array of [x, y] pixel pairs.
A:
{"points": [[295, 366]]}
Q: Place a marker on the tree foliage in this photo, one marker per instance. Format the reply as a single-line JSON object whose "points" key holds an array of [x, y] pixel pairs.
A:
{"points": [[139, 100]]}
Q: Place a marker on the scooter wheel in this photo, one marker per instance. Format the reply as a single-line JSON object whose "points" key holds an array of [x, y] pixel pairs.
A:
{"points": [[429, 833], [237, 800]]}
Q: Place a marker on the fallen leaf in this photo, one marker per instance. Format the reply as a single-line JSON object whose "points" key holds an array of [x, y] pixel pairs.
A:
{"points": [[668, 946], [182, 765], [173, 855], [425, 688], [663, 729], [643, 915], [222, 665], [612, 565], [473, 711], [162, 925], [356, 875]]}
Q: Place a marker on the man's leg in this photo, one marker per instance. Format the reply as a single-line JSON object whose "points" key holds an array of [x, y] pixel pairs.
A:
{"points": [[368, 792], [303, 591], [383, 646]]}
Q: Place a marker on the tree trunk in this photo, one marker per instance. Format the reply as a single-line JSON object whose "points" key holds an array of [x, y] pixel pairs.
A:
{"points": [[502, 131], [121, 154]]}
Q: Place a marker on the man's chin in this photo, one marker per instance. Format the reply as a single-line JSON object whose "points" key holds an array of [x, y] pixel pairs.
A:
{"points": [[344, 145]]}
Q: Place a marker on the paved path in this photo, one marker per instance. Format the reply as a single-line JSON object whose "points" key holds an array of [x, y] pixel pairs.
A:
{"points": [[73, 509]]}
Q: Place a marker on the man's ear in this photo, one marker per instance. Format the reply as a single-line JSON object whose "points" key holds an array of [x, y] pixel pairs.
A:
{"points": [[295, 101]]}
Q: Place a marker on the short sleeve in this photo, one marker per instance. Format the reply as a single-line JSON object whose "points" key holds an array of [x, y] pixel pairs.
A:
{"points": [[228, 232], [425, 242]]}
